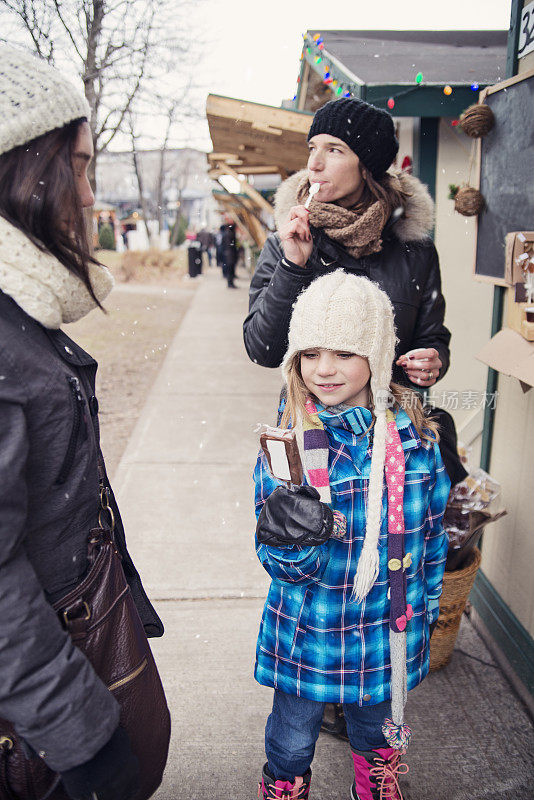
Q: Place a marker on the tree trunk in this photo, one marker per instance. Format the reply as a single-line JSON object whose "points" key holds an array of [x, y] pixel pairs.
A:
{"points": [[142, 201]]}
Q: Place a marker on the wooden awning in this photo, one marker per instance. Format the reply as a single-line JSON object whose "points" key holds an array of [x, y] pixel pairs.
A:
{"points": [[253, 139]]}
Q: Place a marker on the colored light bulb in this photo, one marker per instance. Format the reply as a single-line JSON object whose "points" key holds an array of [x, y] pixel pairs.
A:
{"points": [[419, 77], [391, 103], [447, 90]]}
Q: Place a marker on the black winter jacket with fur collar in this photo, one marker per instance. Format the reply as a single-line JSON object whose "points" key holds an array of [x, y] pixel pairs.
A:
{"points": [[407, 269]]}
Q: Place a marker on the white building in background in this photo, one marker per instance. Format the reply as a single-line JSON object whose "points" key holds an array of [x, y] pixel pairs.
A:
{"points": [[185, 181]]}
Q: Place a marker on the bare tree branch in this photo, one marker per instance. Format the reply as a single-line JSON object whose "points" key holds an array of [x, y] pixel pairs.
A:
{"points": [[57, 7], [124, 52]]}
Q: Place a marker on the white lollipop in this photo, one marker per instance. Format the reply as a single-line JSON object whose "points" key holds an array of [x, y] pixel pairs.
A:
{"points": [[314, 188]]}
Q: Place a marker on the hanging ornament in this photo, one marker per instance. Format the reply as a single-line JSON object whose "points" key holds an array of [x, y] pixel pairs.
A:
{"points": [[419, 77], [467, 201], [391, 103], [447, 90], [477, 120]]}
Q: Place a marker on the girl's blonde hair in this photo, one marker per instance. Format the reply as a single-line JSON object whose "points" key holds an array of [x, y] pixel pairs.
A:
{"points": [[404, 398]]}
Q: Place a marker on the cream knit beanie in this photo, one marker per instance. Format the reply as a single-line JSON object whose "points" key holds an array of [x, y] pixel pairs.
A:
{"points": [[34, 99], [346, 312]]}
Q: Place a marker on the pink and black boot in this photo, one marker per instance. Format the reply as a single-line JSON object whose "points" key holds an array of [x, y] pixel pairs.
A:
{"points": [[271, 789], [376, 774]]}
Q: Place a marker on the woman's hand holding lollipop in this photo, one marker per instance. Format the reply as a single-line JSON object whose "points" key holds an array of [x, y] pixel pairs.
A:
{"points": [[295, 235]]}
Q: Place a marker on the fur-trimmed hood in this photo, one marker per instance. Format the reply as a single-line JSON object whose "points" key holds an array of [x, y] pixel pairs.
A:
{"points": [[415, 223]]}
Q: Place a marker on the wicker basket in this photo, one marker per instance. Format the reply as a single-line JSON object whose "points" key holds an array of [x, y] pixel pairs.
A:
{"points": [[456, 587]]}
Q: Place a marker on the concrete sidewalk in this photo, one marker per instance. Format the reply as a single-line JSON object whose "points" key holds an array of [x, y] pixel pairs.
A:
{"points": [[185, 490]]}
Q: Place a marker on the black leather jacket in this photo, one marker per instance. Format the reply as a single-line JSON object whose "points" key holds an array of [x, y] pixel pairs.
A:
{"points": [[49, 501], [407, 271]]}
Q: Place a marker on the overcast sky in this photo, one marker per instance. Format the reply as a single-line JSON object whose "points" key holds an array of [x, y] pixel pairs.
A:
{"points": [[253, 48]]}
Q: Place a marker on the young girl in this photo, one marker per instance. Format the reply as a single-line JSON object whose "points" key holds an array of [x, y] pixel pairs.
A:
{"points": [[347, 619]]}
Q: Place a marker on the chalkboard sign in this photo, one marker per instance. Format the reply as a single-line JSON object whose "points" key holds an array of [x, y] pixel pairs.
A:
{"points": [[506, 158]]}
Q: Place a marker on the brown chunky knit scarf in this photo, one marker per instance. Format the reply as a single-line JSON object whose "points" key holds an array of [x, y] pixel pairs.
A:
{"points": [[358, 229]]}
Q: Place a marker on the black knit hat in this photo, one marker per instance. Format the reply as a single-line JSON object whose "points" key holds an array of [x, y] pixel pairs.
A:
{"points": [[368, 131]]}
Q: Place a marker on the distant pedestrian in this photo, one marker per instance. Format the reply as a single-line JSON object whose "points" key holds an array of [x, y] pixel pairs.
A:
{"points": [[357, 555], [207, 243], [219, 248], [229, 254], [62, 729]]}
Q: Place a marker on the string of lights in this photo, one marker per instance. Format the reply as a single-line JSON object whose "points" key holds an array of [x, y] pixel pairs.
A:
{"points": [[314, 49]]}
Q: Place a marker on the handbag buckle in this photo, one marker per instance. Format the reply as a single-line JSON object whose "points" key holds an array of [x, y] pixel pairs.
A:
{"points": [[6, 743], [105, 507], [68, 619]]}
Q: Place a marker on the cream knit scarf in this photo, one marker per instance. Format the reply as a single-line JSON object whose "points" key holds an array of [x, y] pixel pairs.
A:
{"points": [[41, 285], [358, 229]]}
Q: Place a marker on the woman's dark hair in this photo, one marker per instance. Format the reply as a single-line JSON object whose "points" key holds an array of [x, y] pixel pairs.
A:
{"points": [[38, 195], [387, 190]]}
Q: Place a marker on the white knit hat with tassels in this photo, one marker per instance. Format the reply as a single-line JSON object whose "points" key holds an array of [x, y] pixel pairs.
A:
{"points": [[346, 312]]}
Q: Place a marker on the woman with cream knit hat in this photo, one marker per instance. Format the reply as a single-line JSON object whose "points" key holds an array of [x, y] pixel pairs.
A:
{"points": [[60, 736], [347, 617]]}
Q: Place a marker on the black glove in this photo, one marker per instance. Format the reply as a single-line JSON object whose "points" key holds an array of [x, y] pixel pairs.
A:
{"points": [[112, 774], [294, 516]]}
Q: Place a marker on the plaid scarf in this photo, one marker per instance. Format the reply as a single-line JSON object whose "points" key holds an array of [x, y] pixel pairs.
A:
{"points": [[315, 452]]}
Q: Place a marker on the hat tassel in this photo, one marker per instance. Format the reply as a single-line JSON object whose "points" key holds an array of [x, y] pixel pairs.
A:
{"points": [[367, 572]]}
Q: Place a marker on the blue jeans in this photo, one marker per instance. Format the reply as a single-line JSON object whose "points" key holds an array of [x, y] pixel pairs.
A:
{"points": [[293, 728]]}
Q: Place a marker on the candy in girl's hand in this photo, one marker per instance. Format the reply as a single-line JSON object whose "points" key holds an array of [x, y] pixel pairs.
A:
{"points": [[282, 453], [314, 188]]}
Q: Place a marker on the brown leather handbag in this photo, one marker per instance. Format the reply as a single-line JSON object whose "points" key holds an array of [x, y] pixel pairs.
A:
{"points": [[102, 619]]}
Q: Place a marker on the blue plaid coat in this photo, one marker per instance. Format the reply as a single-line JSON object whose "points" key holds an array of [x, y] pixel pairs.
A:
{"points": [[313, 641]]}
